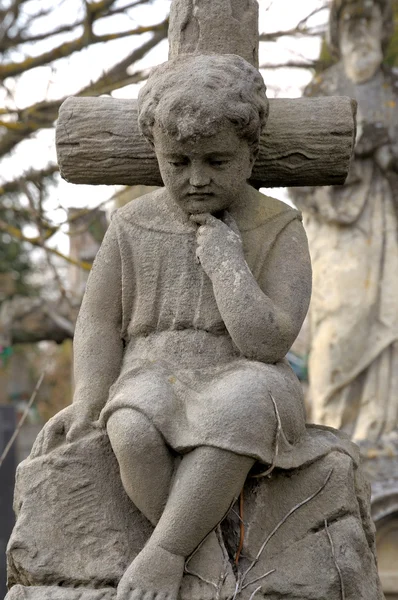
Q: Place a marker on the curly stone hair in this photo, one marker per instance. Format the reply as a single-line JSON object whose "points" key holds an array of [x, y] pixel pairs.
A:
{"points": [[358, 8], [195, 95]]}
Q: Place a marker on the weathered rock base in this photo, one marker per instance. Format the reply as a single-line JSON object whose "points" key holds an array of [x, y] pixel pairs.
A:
{"points": [[314, 528], [309, 529], [20, 592]]}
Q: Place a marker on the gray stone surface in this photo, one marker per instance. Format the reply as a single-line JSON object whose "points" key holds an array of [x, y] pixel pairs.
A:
{"points": [[76, 525], [208, 27], [292, 504], [323, 539], [20, 592], [306, 142]]}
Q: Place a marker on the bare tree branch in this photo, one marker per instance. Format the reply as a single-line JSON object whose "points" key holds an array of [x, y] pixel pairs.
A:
{"points": [[33, 176], [68, 48], [30, 320], [316, 11], [12, 41], [295, 32], [291, 64], [43, 114], [21, 421], [36, 241]]}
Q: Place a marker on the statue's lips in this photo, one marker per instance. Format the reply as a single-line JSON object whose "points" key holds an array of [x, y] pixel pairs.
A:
{"points": [[200, 195]]}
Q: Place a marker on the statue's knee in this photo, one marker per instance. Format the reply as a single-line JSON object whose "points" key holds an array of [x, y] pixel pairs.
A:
{"points": [[131, 434]]}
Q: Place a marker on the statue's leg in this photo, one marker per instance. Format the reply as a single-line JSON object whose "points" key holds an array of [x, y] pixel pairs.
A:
{"points": [[205, 485], [146, 465], [207, 482]]}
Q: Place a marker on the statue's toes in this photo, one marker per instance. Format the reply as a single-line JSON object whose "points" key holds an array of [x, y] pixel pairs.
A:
{"points": [[127, 592], [164, 595], [155, 574]]}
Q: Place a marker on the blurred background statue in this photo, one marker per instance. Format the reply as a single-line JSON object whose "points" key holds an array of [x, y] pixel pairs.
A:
{"points": [[353, 237]]}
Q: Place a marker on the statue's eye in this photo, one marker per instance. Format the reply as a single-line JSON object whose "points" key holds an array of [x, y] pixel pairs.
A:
{"points": [[178, 163], [218, 163]]}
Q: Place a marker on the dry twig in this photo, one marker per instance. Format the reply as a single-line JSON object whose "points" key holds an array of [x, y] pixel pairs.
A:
{"points": [[342, 588], [237, 514], [223, 575], [276, 444], [258, 579], [17, 233], [285, 518], [22, 420], [241, 528], [255, 592], [189, 572]]}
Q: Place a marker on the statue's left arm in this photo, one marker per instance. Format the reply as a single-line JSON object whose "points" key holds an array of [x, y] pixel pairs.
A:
{"points": [[98, 344], [97, 349], [262, 317]]}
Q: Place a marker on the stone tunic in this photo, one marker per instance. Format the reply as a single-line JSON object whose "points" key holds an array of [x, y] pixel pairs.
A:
{"points": [[180, 367]]}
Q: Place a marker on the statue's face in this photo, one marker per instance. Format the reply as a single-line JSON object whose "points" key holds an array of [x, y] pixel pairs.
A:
{"points": [[206, 174], [361, 41]]}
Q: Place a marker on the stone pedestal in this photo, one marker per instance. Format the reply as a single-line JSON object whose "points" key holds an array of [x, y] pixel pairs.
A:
{"points": [[76, 531]]}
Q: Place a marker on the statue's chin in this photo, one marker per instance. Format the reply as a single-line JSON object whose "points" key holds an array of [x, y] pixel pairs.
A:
{"points": [[362, 65]]}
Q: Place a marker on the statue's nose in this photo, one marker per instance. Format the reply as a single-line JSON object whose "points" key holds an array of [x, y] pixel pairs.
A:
{"points": [[199, 177]]}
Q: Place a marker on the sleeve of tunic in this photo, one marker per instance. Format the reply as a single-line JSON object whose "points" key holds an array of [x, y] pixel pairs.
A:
{"points": [[98, 344], [286, 278]]}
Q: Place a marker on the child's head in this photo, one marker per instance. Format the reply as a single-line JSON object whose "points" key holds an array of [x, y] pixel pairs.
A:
{"points": [[195, 96]]}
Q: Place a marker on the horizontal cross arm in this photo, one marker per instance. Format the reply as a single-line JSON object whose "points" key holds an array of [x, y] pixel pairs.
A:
{"points": [[308, 141]]}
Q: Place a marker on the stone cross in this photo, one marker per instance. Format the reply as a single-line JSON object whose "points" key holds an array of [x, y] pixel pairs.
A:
{"points": [[307, 141], [129, 493]]}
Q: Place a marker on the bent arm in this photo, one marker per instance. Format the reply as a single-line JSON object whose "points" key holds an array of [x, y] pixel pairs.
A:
{"points": [[264, 318], [98, 344]]}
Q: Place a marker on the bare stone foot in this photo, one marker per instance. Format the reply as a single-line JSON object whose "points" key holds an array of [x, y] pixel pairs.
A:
{"points": [[208, 574], [155, 574]]}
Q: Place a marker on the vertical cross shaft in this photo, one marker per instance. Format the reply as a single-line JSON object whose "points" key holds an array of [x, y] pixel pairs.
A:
{"points": [[209, 27]]}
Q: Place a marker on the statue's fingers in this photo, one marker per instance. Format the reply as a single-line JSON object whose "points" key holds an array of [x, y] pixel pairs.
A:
{"points": [[79, 430], [197, 256], [199, 219], [203, 219], [42, 443], [37, 448], [72, 434], [53, 434], [201, 234]]}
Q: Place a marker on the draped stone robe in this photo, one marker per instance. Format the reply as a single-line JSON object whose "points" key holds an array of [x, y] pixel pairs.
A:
{"points": [[353, 239]]}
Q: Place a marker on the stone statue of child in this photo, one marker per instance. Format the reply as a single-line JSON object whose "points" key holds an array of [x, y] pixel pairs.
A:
{"points": [[196, 295]]}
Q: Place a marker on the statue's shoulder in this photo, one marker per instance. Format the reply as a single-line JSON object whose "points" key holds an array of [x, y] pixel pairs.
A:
{"points": [[149, 212], [141, 209], [269, 212]]}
